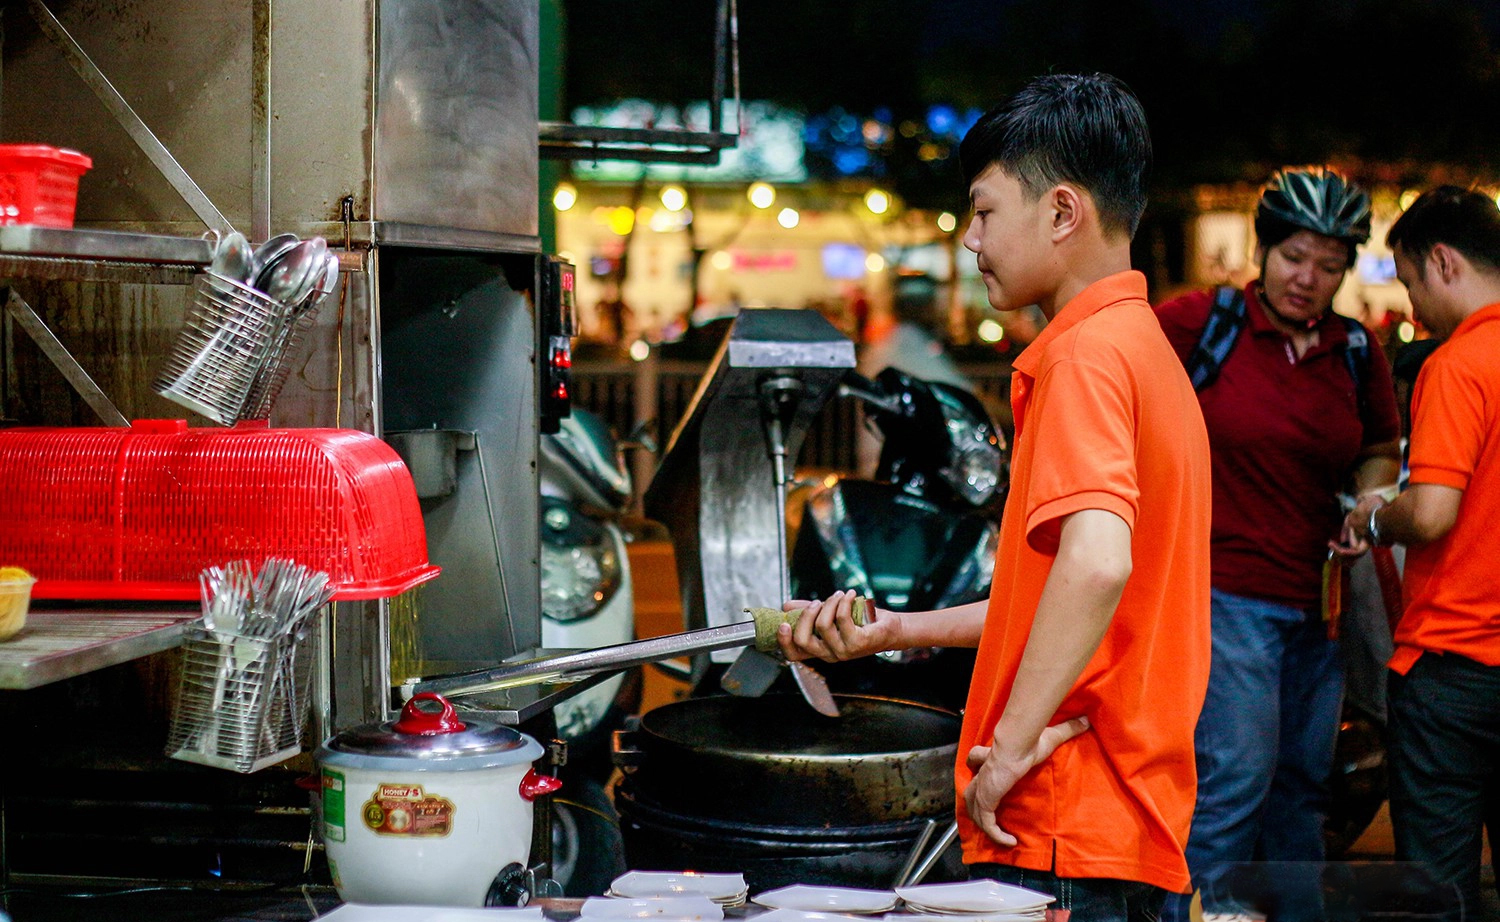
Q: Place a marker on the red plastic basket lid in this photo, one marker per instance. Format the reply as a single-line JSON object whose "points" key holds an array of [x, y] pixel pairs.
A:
{"points": [[137, 513]]}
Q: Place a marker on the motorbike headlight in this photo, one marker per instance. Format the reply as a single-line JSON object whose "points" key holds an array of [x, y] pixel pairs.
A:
{"points": [[974, 462], [580, 569]]}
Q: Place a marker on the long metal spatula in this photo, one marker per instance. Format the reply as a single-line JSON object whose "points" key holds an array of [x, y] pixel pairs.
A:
{"points": [[760, 632]]}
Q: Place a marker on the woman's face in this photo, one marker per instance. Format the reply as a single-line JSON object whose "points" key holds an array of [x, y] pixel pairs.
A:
{"points": [[1302, 273]]}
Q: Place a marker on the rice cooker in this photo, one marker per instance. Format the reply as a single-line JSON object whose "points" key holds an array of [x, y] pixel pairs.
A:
{"points": [[427, 809]]}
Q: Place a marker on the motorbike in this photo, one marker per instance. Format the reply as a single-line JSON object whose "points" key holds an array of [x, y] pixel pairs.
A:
{"points": [[587, 602], [920, 535]]}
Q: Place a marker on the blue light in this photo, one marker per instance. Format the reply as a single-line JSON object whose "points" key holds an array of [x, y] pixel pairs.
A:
{"points": [[941, 120], [850, 160]]}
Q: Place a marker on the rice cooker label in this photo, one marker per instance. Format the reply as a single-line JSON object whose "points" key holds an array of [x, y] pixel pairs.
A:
{"points": [[333, 805], [407, 810]]}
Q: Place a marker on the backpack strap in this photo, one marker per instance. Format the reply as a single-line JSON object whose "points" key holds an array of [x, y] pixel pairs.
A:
{"points": [[1226, 319], [1356, 355]]}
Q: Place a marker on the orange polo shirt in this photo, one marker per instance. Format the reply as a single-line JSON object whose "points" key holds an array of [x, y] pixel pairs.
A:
{"points": [[1452, 593], [1105, 419]]}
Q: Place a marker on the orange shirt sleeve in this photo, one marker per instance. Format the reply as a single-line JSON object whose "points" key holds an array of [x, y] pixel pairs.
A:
{"points": [[1448, 429], [1082, 418]]}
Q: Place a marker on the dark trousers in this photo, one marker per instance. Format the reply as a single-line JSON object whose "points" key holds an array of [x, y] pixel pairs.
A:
{"points": [[1087, 899], [1445, 767]]}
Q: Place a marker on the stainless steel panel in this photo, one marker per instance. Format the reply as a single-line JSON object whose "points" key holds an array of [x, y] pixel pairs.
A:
{"points": [[458, 341], [456, 114]]}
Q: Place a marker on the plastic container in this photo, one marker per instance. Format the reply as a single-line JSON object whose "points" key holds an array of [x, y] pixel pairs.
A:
{"points": [[136, 513], [39, 184], [15, 600]]}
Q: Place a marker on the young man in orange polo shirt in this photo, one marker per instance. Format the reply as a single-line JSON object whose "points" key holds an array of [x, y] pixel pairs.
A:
{"points": [[1076, 769], [1444, 695]]}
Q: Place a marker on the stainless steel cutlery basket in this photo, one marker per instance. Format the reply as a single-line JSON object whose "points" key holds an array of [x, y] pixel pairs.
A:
{"points": [[244, 691], [227, 346], [249, 312], [243, 700]]}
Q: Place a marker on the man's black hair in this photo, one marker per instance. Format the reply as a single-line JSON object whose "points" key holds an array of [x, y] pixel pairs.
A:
{"points": [[1465, 220], [1086, 129]]}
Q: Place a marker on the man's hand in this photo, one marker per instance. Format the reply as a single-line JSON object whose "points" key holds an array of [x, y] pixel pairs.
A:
{"points": [[1354, 537], [827, 631], [996, 772]]}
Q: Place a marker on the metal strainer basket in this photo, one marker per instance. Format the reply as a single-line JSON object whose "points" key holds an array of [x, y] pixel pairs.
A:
{"points": [[231, 332]]}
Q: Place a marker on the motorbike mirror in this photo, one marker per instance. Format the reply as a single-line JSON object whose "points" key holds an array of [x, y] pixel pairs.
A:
{"points": [[862, 388]]}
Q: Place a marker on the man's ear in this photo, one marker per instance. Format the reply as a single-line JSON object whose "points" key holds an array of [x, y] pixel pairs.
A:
{"points": [[1068, 205], [1444, 261]]}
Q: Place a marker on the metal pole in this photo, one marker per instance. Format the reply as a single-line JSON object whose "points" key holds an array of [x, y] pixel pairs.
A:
{"points": [[260, 120], [52, 347]]}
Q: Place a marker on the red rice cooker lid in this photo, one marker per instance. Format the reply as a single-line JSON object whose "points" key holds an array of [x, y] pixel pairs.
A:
{"points": [[423, 738]]}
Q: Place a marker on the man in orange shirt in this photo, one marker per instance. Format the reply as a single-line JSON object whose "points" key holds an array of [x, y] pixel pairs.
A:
{"points": [[1076, 769], [1444, 695]]}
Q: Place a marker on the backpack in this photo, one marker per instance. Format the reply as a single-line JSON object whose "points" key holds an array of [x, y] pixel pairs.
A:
{"points": [[1227, 318]]}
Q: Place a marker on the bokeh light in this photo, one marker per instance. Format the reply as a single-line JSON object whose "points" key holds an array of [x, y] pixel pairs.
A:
{"points": [[673, 198], [762, 194]]}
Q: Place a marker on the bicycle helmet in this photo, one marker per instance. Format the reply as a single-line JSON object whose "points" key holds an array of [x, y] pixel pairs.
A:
{"points": [[1315, 198]]}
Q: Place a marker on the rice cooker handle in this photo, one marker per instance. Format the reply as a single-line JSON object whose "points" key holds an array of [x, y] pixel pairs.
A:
{"points": [[419, 722], [535, 785]]}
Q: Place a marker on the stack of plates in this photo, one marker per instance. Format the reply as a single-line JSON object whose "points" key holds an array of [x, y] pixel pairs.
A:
{"points": [[976, 901], [847, 900], [726, 890]]}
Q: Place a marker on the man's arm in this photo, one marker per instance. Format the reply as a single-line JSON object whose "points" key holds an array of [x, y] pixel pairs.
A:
{"points": [[826, 629], [1422, 514], [1077, 604], [1378, 466]]}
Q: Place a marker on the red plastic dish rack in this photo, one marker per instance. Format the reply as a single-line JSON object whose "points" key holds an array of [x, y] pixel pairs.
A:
{"points": [[136, 513]]}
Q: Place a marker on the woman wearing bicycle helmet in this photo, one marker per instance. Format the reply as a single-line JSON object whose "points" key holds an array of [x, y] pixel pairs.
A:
{"points": [[1299, 408]]}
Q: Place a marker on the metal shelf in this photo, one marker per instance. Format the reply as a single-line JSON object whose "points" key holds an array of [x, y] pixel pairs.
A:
{"points": [[58, 645], [84, 255]]}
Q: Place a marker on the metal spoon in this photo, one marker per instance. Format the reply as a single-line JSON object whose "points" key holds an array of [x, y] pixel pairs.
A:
{"points": [[234, 259], [268, 254], [292, 277]]}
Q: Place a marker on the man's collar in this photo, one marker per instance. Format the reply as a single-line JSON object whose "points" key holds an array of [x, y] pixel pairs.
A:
{"points": [[1112, 289], [1483, 315]]}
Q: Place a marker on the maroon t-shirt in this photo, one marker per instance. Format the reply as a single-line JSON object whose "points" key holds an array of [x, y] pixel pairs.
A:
{"points": [[1284, 434]]}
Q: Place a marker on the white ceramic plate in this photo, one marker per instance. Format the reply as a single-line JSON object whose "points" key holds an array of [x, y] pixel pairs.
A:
{"points": [[645, 884], [828, 899], [973, 896], [797, 915], [1004, 915], [1022, 915], [690, 908], [363, 912]]}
